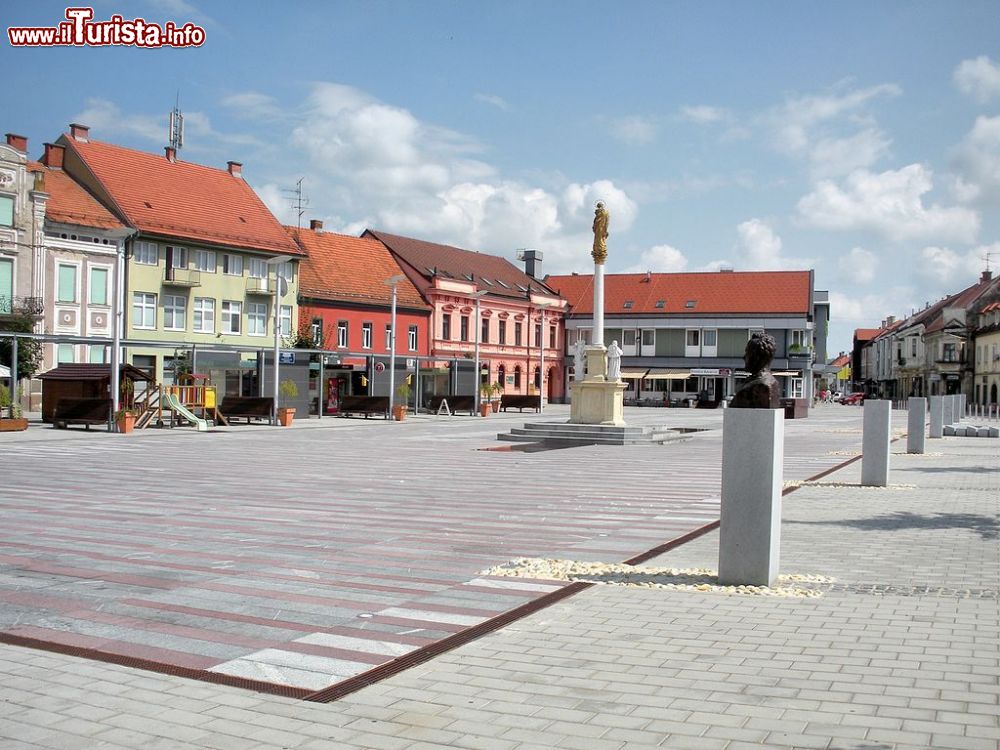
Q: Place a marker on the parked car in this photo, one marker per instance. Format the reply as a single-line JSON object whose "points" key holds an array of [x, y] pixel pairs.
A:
{"points": [[852, 399]]}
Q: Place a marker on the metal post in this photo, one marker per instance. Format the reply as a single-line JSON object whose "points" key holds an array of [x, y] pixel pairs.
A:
{"points": [[14, 342], [322, 382], [476, 380], [541, 363], [392, 352], [277, 353], [117, 318]]}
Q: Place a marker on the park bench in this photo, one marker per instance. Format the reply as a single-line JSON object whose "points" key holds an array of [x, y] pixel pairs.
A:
{"points": [[514, 401], [367, 405], [85, 411], [247, 407], [455, 404]]}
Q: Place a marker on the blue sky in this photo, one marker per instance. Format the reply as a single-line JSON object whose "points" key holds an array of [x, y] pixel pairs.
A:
{"points": [[860, 139]]}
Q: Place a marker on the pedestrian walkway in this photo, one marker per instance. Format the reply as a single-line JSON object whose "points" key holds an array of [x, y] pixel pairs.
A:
{"points": [[902, 650]]}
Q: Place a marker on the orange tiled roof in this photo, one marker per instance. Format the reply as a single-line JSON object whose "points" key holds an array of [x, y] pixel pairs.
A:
{"points": [[350, 269], [865, 334], [426, 258], [70, 203], [842, 361], [964, 299], [752, 292], [183, 200]]}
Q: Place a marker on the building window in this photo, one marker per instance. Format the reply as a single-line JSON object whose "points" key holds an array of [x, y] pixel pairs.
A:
{"points": [[709, 342], [913, 346], [174, 312], [257, 319], [949, 353], [177, 257], [446, 327], [6, 285], [366, 335], [7, 210], [98, 287], [95, 355], [65, 353], [517, 376], [286, 271], [538, 334], [484, 332], [463, 329], [204, 315], [795, 387], [648, 337], [143, 310], [316, 329], [232, 265], [692, 343], [518, 334], [502, 332], [342, 334], [232, 312], [411, 338], [204, 260], [552, 337], [285, 320], [258, 268], [146, 253], [67, 284], [799, 339], [388, 337], [754, 331]]}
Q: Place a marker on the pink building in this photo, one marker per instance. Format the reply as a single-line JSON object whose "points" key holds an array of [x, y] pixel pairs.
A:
{"points": [[520, 322]]}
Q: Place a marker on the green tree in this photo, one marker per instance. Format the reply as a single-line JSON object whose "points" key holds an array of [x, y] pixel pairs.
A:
{"points": [[29, 353]]}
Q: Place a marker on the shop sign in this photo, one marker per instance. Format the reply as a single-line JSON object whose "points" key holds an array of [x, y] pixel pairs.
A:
{"points": [[705, 371], [286, 358]]}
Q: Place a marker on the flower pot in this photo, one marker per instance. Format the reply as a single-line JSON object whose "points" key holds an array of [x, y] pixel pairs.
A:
{"points": [[285, 416], [14, 424], [496, 406], [125, 423], [485, 409], [399, 412]]}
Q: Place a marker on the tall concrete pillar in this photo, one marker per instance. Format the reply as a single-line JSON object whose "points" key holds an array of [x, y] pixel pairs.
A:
{"points": [[948, 407], [753, 449], [937, 416], [916, 418], [875, 443]]}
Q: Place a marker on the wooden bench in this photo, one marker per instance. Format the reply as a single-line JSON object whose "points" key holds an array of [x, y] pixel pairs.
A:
{"points": [[455, 404], [367, 405], [85, 411], [514, 401], [247, 407]]}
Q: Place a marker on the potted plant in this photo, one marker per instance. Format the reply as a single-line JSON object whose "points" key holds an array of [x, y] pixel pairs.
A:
{"points": [[13, 421], [496, 391], [288, 391], [125, 420], [403, 397], [485, 391]]}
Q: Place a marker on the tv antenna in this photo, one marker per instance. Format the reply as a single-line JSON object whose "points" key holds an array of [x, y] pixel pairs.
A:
{"points": [[299, 201], [986, 257], [175, 131]]}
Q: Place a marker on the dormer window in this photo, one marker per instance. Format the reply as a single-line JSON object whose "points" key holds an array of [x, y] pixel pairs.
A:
{"points": [[690, 304], [628, 304], [660, 304]]}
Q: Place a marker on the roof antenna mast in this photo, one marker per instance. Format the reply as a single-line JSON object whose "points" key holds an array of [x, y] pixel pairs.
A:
{"points": [[175, 131], [299, 201]]}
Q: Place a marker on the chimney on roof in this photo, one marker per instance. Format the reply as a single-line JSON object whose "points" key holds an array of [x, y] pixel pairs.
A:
{"points": [[53, 156], [171, 153], [987, 274], [725, 270], [649, 277], [235, 168], [18, 142], [890, 320], [79, 132], [316, 225], [531, 260]]}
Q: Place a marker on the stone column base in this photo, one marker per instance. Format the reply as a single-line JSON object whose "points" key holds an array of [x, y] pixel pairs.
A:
{"points": [[597, 402]]}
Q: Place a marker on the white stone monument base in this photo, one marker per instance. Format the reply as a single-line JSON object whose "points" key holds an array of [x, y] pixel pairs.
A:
{"points": [[753, 450], [597, 402], [915, 421]]}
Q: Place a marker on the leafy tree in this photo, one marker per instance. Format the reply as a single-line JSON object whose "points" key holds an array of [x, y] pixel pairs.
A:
{"points": [[29, 352]]}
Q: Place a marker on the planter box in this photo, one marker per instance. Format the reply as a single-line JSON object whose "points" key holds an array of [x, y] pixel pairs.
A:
{"points": [[285, 416], [13, 425]]}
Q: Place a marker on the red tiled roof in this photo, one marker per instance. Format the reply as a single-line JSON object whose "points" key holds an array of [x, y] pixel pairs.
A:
{"points": [[842, 361], [183, 200], [963, 299], [454, 262], [865, 334], [753, 292], [70, 203], [990, 307], [350, 269]]}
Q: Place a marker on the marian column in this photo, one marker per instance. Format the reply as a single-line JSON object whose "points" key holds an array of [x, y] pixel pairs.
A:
{"points": [[599, 254]]}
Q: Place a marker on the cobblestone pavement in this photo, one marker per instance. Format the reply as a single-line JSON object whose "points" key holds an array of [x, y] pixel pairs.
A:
{"points": [[903, 650]]}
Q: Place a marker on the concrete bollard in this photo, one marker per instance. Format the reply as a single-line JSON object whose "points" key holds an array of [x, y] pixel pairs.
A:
{"points": [[961, 407], [753, 450], [875, 444], [937, 416], [915, 420]]}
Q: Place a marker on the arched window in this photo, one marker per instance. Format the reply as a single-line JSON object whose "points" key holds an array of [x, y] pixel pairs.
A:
{"points": [[538, 376], [501, 375], [517, 376]]}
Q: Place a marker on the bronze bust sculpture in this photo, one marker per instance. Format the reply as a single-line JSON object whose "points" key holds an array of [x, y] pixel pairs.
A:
{"points": [[762, 390]]}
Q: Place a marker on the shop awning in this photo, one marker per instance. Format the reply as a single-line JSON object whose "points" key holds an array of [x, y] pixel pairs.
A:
{"points": [[667, 373], [629, 373]]}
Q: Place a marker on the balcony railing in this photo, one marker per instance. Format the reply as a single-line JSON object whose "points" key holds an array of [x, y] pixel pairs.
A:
{"points": [[182, 277], [30, 306], [260, 286]]}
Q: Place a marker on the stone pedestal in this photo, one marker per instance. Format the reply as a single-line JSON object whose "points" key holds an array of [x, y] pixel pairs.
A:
{"points": [[595, 399], [948, 405], [753, 448], [875, 443], [937, 416], [916, 418]]}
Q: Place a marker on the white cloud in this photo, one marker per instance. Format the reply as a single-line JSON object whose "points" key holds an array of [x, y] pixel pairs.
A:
{"points": [[659, 259], [831, 131], [634, 130], [493, 100], [979, 78], [105, 118], [759, 249], [954, 270], [704, 114], [889, 203], [867, 310], [977, 162], [252, 104], [858, 266]]}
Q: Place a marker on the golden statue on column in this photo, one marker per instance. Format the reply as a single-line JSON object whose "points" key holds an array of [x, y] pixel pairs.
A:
{"points": [[601, 220]]}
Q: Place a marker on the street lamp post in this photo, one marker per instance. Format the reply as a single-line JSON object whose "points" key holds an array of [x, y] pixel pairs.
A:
{"points": [[478, 324], [278, 294], [392, 281], [541, 356]]}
